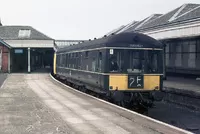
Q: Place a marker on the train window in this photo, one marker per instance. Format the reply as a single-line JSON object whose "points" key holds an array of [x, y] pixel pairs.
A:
{"points": [[99, 62], [63, 60], [93, 65], [86, 54], [136, 61], [100, 55], [66, 60], [143, 61], [58, 60], [113, 65], [198, 49], [79, 60], [116, 61], [152, 62]]}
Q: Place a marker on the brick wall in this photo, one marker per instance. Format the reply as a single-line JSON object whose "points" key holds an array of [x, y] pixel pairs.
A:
{"points": [[5, 52]]}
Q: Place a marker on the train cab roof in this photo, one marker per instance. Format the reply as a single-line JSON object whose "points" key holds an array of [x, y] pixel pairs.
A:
{"points": [[123, 40]]}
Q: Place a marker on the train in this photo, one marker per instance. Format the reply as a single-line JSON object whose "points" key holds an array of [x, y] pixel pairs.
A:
{"points": [[126, 68]]}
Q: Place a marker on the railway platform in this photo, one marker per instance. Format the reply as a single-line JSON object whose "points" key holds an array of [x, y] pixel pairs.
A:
{"points": [[185, 86], [182, 91], [36, 103]]}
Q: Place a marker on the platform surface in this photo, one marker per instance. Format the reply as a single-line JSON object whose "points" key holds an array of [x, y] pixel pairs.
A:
{"points": [[184, 85], [35, 103]]}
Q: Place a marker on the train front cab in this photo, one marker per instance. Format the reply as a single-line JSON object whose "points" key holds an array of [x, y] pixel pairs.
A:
{"points": [[134, 71]]}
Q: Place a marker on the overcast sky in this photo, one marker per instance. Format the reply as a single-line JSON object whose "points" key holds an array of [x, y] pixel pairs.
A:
{"points": [[81, 19]]}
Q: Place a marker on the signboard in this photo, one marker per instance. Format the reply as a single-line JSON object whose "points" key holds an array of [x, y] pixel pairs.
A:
{"points": [[111, 51], [18, 51], [136, 45], [135, 81]]}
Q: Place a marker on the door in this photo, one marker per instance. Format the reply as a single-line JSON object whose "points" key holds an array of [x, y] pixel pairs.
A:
{"points": [[0, 59]]}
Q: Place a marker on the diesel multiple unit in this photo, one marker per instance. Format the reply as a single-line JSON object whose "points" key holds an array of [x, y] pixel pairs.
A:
{"points": [[126, 68]]}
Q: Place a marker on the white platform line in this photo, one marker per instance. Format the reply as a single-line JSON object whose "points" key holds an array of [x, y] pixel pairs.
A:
{"points": [[151, 119], [4, 82]]}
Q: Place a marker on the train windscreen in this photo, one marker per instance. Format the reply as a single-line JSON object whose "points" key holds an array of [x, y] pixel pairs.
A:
{"points": [[136, 61], [144, 61]]}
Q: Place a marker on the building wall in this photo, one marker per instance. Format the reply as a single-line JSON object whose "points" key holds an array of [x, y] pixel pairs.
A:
{"points": [[183, 55], [182, 47], [4, 58]]}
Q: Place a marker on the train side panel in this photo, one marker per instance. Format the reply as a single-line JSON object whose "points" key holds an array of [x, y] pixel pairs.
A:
{"points": [[89, 75]]}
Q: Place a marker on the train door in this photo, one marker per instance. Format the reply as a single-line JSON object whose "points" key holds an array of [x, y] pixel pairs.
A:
{"points": [[1, 59], [117, 61]]}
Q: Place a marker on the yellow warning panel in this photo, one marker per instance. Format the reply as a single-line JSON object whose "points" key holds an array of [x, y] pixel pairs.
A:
{"points": [[150, 82], [54, 64], [118, 82]]}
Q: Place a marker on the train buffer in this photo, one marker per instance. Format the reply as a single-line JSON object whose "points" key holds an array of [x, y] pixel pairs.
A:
{"points": [[36, 103]]}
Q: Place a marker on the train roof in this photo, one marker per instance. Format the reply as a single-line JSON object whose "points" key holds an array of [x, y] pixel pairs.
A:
{"points": [[128, 39]]}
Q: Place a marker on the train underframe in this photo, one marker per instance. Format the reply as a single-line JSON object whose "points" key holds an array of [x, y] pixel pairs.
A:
{"points": [[133, 99], [129, 99]]}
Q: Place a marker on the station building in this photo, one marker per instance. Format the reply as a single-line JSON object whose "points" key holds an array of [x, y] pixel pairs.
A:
{"points": [[24, 49], [4, 53], [179, 30]]}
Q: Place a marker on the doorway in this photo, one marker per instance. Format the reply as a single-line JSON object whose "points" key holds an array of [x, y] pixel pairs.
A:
{"points": [[19, 59]]}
